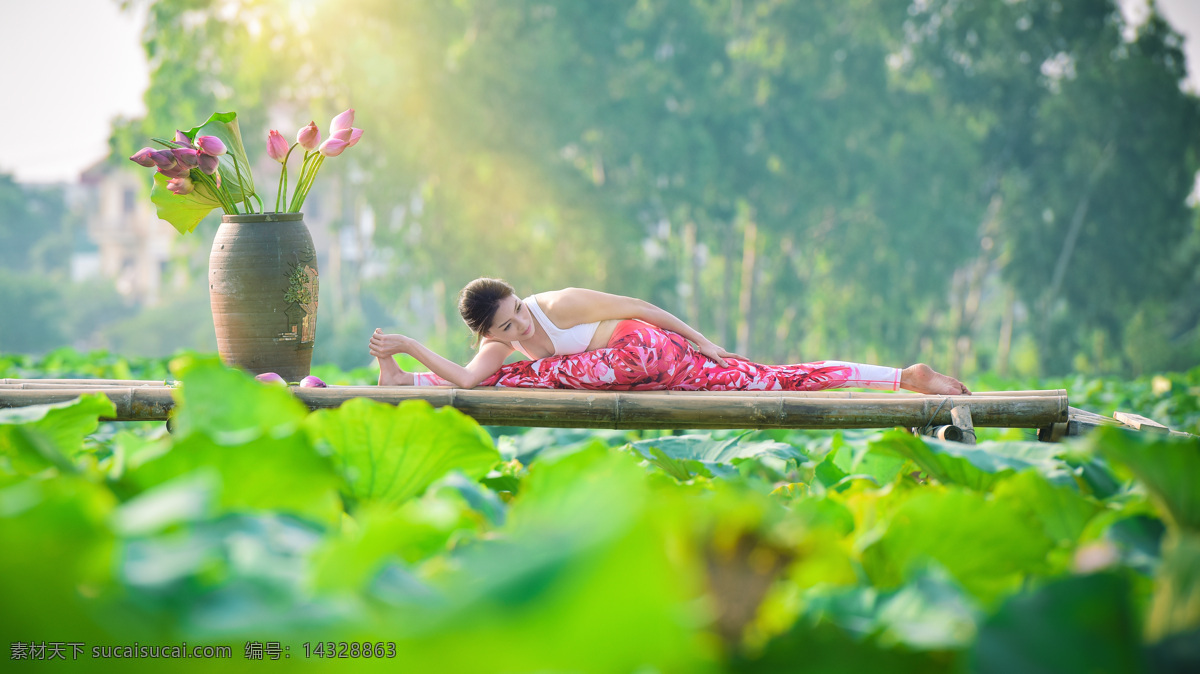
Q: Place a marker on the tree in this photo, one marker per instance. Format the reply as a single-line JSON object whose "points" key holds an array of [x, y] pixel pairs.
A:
{"points": [[1092, 149], [861, 179]]}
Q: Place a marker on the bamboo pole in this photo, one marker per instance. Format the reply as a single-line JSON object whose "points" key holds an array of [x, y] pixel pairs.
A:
{"points": [[122, 383], [685, 409], [961, 415], [34, 386], [613, 409], [133, 403]]}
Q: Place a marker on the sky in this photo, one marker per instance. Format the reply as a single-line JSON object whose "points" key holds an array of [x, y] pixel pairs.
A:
{"points": [[71, 66]]}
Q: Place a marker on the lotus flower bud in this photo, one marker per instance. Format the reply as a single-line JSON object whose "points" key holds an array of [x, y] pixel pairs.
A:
{"points": [[180, 186], [182, 138], [143, 157], [277, 147], [176, 171], [333, 147], [312, 382], [342, 135], [309, 137], [187, 157], [210, 145], [163, 159], [208, 163], [342, 121], [270, 378], [355, 134]]}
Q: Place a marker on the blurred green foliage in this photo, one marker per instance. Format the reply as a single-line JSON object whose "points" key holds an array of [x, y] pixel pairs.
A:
{"points": [[980, 185]]}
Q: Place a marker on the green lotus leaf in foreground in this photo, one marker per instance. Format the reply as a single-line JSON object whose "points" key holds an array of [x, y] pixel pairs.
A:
{"points": [[33, 438], [594, 552], [389, 454], [268, 474], [229, 406], [1168, 467], [1076, 625], [986, 544]]}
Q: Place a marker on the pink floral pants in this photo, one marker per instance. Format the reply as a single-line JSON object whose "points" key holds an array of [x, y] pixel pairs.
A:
{"points": [[642, 357]]}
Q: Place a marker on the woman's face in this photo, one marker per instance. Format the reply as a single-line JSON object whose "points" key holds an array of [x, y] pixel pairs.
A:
{"points": [[512, 322]]}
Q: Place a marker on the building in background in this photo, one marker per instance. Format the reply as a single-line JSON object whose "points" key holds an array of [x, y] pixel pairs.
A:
{"points": [[133, 246]]}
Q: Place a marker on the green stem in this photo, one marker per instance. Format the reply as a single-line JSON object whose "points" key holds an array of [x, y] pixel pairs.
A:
{"points": [[227, 204], [281, 189], [219, 191], [304, 174], [281, 193], [312, 176], [242, 185]]}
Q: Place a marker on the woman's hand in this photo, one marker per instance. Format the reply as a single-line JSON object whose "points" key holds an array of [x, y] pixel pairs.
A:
{"points": [[716, 353], [388, 345]]}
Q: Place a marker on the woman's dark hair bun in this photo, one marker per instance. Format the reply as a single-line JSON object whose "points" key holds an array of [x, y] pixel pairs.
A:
{"points": [[478, 302]]}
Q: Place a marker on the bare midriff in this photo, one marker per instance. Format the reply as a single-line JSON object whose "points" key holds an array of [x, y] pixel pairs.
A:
{"points": [[604, 333]]}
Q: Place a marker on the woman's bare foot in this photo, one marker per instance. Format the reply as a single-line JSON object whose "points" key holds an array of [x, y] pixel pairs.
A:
{"points": [[923, 379], [390, 373]]}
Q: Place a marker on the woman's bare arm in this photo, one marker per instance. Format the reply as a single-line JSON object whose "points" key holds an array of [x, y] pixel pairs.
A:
{"points": [[487, 360], [574, 306]]}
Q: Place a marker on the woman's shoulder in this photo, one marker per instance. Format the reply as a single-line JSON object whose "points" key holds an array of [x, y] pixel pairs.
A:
{"points": [[574, 306], [552, 302], [489, 344], [564, 295]]}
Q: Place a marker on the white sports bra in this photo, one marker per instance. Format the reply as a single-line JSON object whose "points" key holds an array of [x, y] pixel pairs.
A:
{"points": [[566, 342]]}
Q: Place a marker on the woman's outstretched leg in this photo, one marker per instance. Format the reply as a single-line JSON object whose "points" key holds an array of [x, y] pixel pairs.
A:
{"points": [[817, 376], [834, 374]]}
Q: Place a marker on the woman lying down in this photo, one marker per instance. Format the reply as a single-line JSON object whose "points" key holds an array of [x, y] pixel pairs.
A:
{"points": [[584, 339]]}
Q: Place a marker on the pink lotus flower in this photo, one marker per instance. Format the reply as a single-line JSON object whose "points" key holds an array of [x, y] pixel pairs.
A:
{"points": [[143, 158], [309, 137], [187, 157], [210, 145], [181, 138], [208, 163], [277, 147], [180, 186], [349, 136], [342, 121], [333, 147]]}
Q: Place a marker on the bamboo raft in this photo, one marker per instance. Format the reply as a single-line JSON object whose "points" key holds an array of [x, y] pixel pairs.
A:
{"points": [[1045, 410], [947, 417]]}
